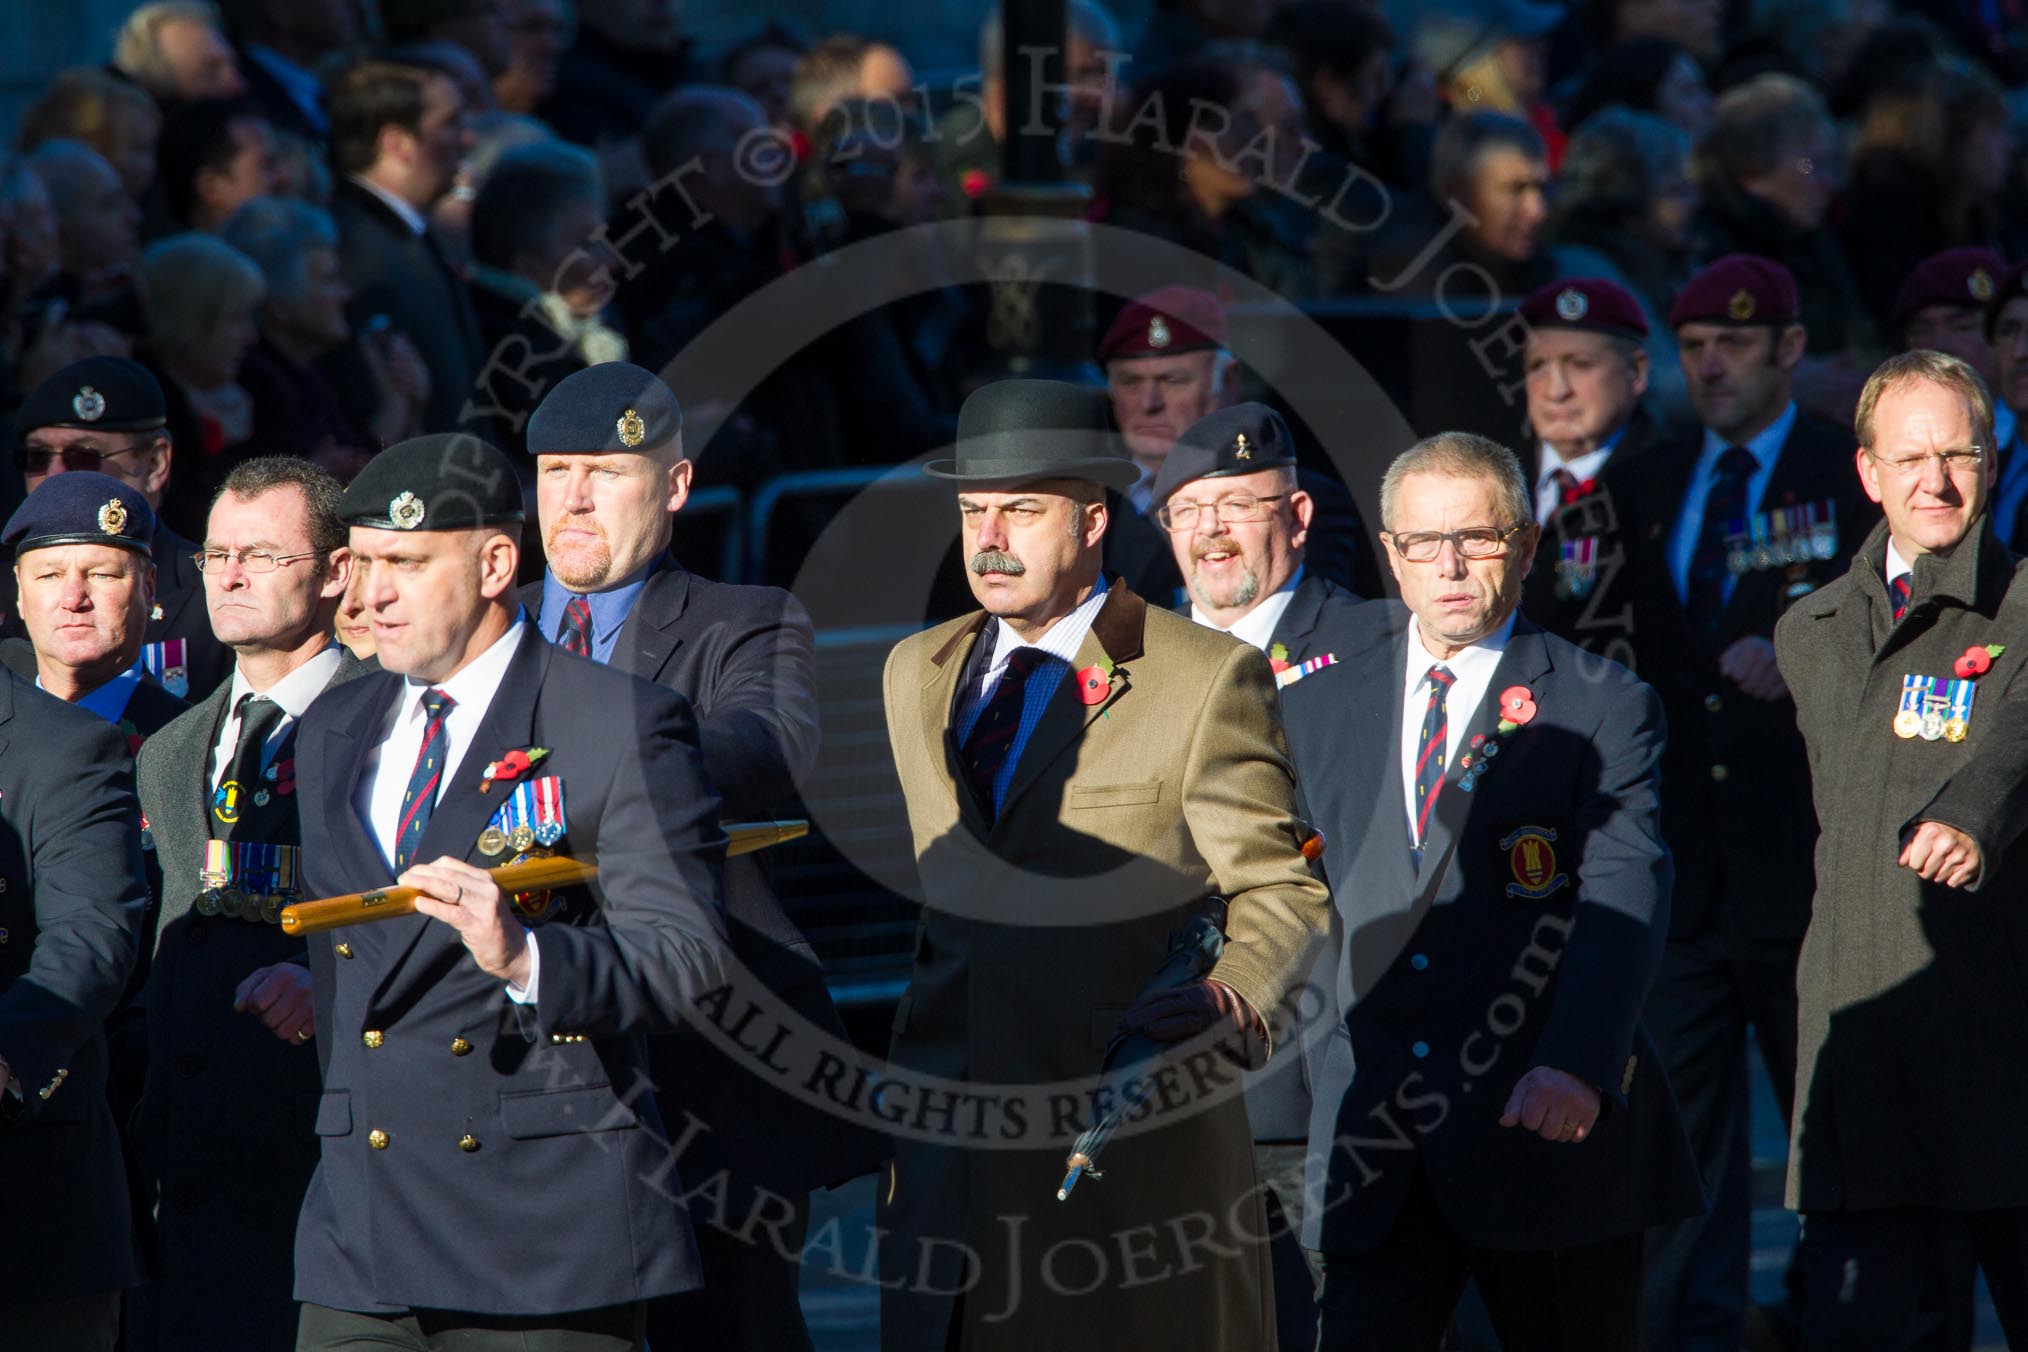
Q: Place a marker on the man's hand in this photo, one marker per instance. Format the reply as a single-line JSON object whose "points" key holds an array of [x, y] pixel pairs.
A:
{"points": [[1202, 1006], [468, 900], [1942, 854], [1750, 664], [280, 996], [1553, 1105]]}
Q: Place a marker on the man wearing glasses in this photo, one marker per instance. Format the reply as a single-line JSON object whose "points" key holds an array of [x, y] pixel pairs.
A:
{"points": [[1491, 1107], [1910, 1097], [224, 1026], [1725, 533], [1239, 527], [106, 414]]}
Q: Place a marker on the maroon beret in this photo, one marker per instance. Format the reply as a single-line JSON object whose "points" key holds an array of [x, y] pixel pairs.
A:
{"points": [[1965, 279], [1589, 303], [1164, 323], [2012, 285], [1737, 289]]}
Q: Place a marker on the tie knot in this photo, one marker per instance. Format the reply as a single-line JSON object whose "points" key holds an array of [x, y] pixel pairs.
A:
{"points": [[436, 703], [1440, 676], [1737, 463], [1024, 660]]}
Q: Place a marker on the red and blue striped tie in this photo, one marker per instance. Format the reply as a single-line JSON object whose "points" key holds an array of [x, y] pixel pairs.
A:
{"points": [[1901, 590], [1431, 752], [424, 780], [575, 634]]}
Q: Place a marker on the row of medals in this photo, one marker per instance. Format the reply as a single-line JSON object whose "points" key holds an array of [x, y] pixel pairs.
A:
{"points": [[1930, 725], [1819, 544], [258, 907], [493, 842]]}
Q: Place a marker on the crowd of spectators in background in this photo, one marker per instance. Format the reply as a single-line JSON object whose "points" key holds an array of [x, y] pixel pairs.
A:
{"points": [[322, 222]]}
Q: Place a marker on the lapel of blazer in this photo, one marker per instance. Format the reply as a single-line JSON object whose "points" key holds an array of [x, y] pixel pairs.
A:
{"points": [[942, 684], [650, 633], [462, 811], [184, 749], [1117, 633], [1525, 661], [1378, 673], [1657, 507], [1293, 630]]}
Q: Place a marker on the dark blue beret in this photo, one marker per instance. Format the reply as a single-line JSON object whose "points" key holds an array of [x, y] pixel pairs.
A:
{"points": [[606, 409], [446, 481], [110, 394], [81, 507], [1242, 439]]}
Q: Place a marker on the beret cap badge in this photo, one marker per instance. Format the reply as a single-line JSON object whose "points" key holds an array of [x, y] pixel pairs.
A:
{"points": [[1240, 448], [88, 404], [406, 511], [113, 517], [1571, 304], [1158, 332], [632, 430], [1980, 284], [1741, 306]]}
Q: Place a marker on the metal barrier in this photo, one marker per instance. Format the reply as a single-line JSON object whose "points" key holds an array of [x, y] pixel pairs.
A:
{"points": [[710, 533]]}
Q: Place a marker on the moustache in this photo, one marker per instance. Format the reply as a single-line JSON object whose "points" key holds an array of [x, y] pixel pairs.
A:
{"points": [[997, 561]]}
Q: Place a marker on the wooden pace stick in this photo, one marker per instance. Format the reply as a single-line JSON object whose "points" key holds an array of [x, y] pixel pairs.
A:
{"points": [[528, 875]]}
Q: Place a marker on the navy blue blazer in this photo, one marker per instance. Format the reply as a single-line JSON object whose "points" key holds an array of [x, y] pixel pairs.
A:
{"points": [[72, 898], [1537, 949], [522, 1166], [742, 656]]}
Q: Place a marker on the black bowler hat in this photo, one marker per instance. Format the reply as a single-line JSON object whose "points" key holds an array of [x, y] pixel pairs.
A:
{"points": [[606, 409], [447, 481], [1018, 431], [82, 507], [107, 394], [1238, 440]]}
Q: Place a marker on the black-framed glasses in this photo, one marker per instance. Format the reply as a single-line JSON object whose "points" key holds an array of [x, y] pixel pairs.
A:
{"points": [[1239, 507], [253, 560], [1473, 542], [40, 459]]}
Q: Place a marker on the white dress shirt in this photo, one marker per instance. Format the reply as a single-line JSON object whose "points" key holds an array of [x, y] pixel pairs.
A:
{"points": [[1257, 626], [384, 778], [1896, 565], [293, 692], [1472, 668], [1548, 496]]}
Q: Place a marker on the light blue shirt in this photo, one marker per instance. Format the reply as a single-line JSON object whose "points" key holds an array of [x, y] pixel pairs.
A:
{"points": [[2012, 486], [109, 701], [609, 610], [1766, 448], [1061, 642]]}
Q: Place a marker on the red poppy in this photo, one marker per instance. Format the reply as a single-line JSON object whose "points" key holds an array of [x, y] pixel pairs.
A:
{"points": [[1517, 704], [974, 182], [1975, 663], [1093, 687], [1278, 665]]}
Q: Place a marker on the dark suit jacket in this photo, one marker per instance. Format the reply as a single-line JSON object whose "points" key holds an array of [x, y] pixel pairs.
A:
{"points": [[1529, 953], [742, 657], [1278, 1096], [395, 272], [561, 1202], [179, 597], [1595, 613], [224, 1124], [1735, 783], [70, 921]]}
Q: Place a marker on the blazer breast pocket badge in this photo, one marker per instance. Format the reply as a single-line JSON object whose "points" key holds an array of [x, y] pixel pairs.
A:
{"points": [[1531, 857]]}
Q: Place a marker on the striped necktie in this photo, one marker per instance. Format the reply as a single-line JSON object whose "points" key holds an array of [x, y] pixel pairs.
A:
{"points": [[574, 635], [1901, 589], [1432, 752], [424, 780], [991, 739]]}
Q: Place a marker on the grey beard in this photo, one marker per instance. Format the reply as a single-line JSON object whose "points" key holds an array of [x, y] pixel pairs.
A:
{"points": [[1249, 588]]}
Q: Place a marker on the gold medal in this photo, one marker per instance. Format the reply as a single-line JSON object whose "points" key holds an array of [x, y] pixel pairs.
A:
{"points": [[492, 842], [1954, 730], [1907, 724], [521, 838], [271, 909]]}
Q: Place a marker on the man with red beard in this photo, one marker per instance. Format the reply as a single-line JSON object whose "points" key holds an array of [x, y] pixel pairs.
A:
{"points": [[610, 477]]}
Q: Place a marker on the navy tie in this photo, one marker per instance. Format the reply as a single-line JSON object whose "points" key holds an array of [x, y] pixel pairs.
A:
{"points": [[991, 739], [424, 780], [1724, 505], [1901, 590], [1432, 750], [575, 634], [259, 716]]}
